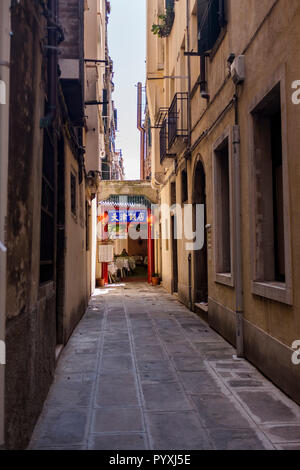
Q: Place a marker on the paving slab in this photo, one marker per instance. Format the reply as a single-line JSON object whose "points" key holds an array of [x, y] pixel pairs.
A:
{"points": [[76, 394], [116, 348], [283, 433], [74, 363], [115, 390], [179, 349], [166, 396], [268, 408], [288, 446], [117, 364], [189, 363], [155, 371], [237, 439], [60, 427], [176, 431], [117, 420], [150, 352], [118, 442], [218, 411], [198, 383]]}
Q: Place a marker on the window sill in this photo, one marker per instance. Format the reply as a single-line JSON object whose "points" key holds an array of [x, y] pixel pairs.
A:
{"points": [[224, 278], [277, 291]]}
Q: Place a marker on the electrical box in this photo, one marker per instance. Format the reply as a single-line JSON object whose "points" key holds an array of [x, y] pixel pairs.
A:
{"points": [[238, 69]]}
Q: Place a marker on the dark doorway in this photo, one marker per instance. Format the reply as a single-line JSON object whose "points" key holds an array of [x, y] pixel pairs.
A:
{"points": [[200, 256], [174, 255]]}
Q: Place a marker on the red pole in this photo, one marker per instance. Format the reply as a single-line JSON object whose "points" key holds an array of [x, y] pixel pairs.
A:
{"points": [[150, 248], [105, 272]]}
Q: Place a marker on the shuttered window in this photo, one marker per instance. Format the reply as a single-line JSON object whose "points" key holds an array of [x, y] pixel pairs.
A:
{"points": [[211, 20], [169, 4]]}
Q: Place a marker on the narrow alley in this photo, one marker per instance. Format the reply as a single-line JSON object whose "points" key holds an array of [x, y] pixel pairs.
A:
{"points": [[150, 226], [143, 372]]}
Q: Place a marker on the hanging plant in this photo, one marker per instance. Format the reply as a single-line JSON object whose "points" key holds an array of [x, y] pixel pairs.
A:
{"points": [[164, 27]]}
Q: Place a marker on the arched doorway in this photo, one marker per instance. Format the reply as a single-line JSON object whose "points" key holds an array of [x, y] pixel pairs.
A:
{"points": [[200, 256]]}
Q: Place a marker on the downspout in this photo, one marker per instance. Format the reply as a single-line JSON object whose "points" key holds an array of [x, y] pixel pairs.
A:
{"points": [[141, 129], [189, 116], [189, 122], [4, 139], [142, 175], [239, 309]]}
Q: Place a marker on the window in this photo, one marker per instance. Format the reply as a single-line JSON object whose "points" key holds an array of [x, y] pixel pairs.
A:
{"points": [[173, 194], [223, 210], [87, 224], [170, 4], [106, 169], [73, 195], [184, 187], [211, 20], [105, 108], [269, 189], [47, 210], [270, 254]]}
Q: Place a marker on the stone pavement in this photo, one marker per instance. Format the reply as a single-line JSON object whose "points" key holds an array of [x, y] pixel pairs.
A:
{"points": [[142, 372]]}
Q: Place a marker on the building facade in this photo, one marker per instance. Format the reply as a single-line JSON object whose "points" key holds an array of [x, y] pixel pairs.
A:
{"points": [[220, 81], [4, 134]]}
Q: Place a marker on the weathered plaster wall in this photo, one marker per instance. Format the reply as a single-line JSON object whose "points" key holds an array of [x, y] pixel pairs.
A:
{"points": [[30, 327], [77, 289]]}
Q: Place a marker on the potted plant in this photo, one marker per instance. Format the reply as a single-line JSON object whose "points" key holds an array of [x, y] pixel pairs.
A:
{"points": [[100, 282], [155, 279], [163, 28]]}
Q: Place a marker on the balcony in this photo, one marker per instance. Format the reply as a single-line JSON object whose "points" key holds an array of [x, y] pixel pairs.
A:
{"points": [[164, 29], [178, 121], [174, 127]]}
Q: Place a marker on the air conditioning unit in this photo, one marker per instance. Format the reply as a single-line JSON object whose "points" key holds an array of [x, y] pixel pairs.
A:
{"points": [[238, 69]]}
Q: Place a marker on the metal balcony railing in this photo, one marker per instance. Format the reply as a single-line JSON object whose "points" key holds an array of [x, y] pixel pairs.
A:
{"points": [[163, 140], [178, 118]]}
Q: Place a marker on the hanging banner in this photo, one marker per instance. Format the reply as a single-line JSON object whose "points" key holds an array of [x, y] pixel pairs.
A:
{"points": [[131, 216]]}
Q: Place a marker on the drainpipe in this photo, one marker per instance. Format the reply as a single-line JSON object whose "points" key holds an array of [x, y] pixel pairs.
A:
{"points": [[142, 144], [4, 134], [141, 129], [189, 116], [239, 309]]}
